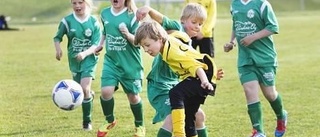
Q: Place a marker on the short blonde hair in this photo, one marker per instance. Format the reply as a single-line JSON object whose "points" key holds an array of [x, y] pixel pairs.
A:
{"points": [[194, 10], [150, 29]]}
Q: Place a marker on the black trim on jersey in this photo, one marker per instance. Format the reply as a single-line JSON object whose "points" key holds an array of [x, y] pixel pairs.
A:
{"points": [[168, 49]]}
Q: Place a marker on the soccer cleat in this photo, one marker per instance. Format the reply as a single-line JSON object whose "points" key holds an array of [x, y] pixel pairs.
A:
{"points": [[281, 125], [105, 128], [86, 126], [255, 133], [140, 132]]}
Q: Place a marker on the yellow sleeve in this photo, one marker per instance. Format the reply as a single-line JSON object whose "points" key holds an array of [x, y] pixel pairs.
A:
{"points": [[211, 19]]}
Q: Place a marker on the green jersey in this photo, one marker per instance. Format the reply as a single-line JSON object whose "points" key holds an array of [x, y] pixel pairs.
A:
{"points": [[251, 17], [81, 36], [120, 53]]}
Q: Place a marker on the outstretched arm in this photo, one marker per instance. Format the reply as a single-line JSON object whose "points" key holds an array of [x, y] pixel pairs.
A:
{"points": [[142, 12]]}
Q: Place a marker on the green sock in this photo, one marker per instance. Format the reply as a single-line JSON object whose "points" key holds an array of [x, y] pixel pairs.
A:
{"points": [[137, 111], [202, 132], [107, 108], [255, 114], [87, 105], [164, 133], [277, 107]]}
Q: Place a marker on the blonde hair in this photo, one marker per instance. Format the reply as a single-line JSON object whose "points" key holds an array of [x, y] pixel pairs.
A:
{"points": [[131, 5], [194, 10], [89, 4], [150, 29]]}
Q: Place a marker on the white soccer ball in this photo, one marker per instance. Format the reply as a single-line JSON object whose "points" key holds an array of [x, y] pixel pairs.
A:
{"points": [[67, 94]]}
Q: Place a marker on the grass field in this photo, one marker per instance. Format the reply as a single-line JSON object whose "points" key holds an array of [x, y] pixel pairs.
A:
{"points": [[29, 71]]}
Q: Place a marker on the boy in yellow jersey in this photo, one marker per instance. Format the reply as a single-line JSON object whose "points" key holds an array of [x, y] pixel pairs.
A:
{"points": [[197, 71], [205, 38], [161, 78]]}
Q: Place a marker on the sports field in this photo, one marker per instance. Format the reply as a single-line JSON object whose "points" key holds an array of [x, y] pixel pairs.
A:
{"points": [[29, 71]]}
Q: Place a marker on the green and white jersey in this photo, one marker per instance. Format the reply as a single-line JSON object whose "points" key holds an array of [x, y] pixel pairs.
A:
{"points": [[160, 71], [81, 36], [249, 18], [120, 53]]}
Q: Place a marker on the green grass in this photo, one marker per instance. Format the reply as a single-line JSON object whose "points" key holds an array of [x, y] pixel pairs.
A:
{"points": [[29, 71]]}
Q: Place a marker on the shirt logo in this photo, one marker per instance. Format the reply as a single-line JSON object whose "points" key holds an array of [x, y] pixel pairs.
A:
{"points": [[88, 32], [250, 14]]}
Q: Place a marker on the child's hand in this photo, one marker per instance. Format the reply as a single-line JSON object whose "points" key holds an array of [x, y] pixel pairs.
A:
{"points": [[58, 54], [142, 13], [80, 56], [97, 50], [199, 35], [123, 29], [228, 46], [246, 41], [207, 85], [220, 74]]}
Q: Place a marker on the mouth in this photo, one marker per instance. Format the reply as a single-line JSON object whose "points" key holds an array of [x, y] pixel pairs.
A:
{"points": [[115, 1], [78, 10]]}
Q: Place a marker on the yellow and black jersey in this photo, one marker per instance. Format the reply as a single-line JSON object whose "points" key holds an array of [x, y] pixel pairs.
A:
{"points": [[184, 60], [182, 36]]}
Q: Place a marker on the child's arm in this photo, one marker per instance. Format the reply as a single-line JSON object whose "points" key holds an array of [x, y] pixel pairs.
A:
{"points": [[58, 50], [246, 41], [125, 32], [80, 56], [204, 79], [229, 46], [146, 10], [100, 46]]}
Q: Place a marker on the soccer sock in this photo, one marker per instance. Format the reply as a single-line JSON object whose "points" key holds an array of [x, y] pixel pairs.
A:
{"points": [[255, 114], [87, 105], [163, 133], [137, 110], [178, 122], [277, 107], [202, 132], [107, 108]]}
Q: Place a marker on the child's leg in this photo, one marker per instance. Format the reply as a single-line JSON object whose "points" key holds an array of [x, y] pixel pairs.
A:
{"points": [[274, 99], [191, 107], [177, 96], [137, 110], [107, 108], [254, 106], [166, 129], [200, 124]]}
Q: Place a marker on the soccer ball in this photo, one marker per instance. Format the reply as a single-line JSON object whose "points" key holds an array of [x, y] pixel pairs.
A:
{"points": [[67, 94]]}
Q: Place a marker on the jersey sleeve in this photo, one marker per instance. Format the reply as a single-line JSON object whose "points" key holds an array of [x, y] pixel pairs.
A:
{"points": [[133, 24], [269, 17], [62, 30], [211, 19], [169, 24], [96, 33]]}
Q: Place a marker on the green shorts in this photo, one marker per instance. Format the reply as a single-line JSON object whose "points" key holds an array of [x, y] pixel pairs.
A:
{"points": [[77, 76], [264, 75], [133, 86], [158, 96]]}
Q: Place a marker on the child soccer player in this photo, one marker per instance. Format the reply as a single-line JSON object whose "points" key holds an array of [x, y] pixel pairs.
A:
{"points": [[205, 38], [197, 71], [161, 78], [254, 22], [122, 64], [83, 33]]}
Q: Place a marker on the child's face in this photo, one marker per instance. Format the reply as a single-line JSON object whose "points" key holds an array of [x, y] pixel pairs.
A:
{"points": [[152, 47], [192, 26], [79, 6], [117, 4]]}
